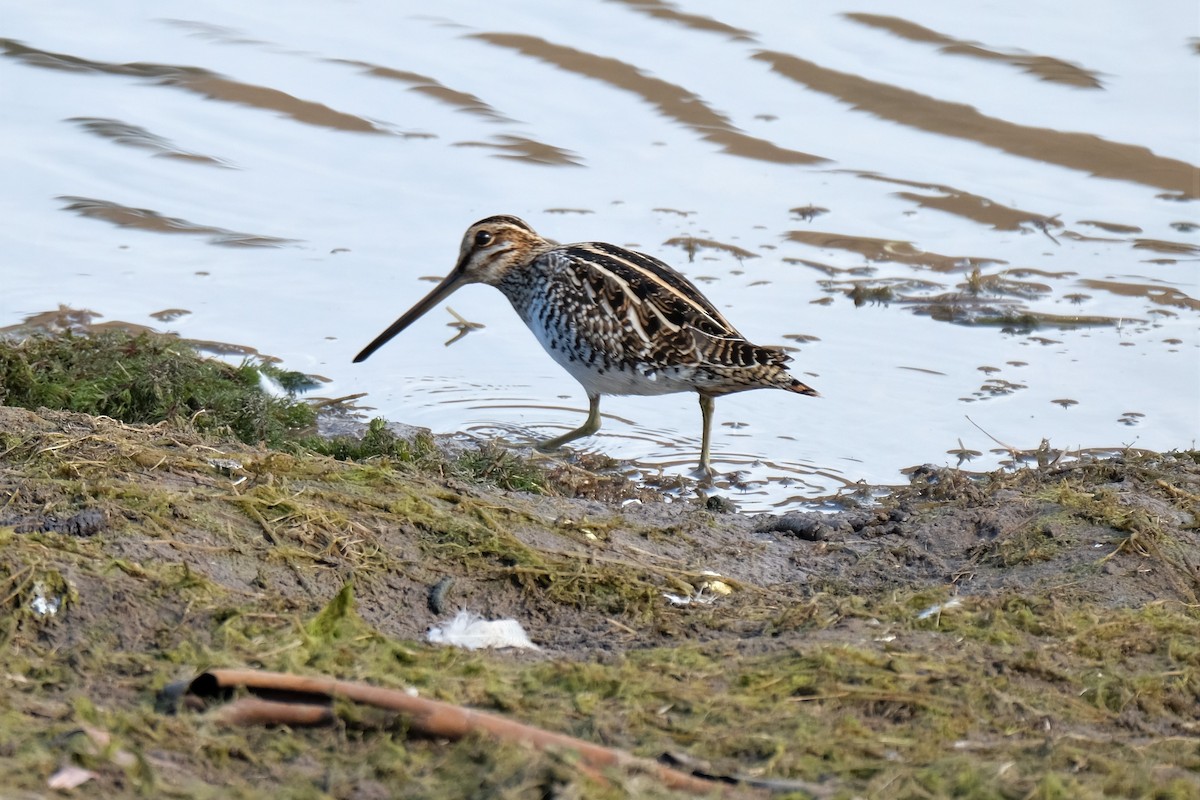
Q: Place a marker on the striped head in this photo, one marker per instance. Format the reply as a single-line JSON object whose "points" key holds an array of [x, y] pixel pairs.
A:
{"points": [[491, 248]]}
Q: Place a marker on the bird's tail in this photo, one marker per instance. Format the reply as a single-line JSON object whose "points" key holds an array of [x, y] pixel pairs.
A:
{"points": [[802, 388]]}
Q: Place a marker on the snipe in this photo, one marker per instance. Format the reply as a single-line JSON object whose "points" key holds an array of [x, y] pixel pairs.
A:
{"points": [[620, 322]]}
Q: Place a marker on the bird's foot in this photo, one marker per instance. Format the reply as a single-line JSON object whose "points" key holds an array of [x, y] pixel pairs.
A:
{"points": [[550, 445]]}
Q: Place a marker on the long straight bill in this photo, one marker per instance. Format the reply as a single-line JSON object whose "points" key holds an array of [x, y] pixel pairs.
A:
{"points": [[440, 292]]}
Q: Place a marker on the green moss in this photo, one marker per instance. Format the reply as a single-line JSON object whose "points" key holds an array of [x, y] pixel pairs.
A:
{"points": [[337, 619], [1041, 540], [147, 379], [1103, 506], [378, 443], [494, 465]]}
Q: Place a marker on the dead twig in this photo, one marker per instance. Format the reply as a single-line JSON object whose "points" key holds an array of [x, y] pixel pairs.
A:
{"points": [[301, 700]]}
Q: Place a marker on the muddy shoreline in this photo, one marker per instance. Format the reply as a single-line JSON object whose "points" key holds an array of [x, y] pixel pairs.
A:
{"points": [[1042, 619], [1027, 633]]}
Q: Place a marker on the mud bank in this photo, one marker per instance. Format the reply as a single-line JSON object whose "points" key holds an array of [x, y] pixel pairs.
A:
{"points": [[1018, 634]]}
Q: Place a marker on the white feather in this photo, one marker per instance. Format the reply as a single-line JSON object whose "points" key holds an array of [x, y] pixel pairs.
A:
{"points": [[472, 631]]}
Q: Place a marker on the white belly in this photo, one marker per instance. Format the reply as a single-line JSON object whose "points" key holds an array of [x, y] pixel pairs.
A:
{"points": [[597, 377]]}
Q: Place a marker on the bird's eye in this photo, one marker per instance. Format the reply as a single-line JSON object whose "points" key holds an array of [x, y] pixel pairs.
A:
{"points": [[483, 238]]}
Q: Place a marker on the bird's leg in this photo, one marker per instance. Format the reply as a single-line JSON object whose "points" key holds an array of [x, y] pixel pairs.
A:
{"points": [[706, 413], [590, 426]]}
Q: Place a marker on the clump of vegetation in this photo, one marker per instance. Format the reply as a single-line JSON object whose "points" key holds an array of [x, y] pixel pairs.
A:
{"points": [[149, 378], [494, 465], [378, 442], [380, 445]]}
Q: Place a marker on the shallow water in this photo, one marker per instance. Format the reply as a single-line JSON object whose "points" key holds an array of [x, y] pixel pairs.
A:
{"points": [[977, 226]]}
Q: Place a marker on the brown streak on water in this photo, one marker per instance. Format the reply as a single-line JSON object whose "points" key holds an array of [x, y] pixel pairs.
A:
{"points": [[147, 220], [201, 81], [671, 100], [423, 84], [964, 204], [216, 33], [1162, 295], [136, 136], [1044, 67], [666, 11], [1161, 246], [1111, 227], [897, 251], [977, 209], [1080, 151], [692, 244], [525, 149], [216, 87]]}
